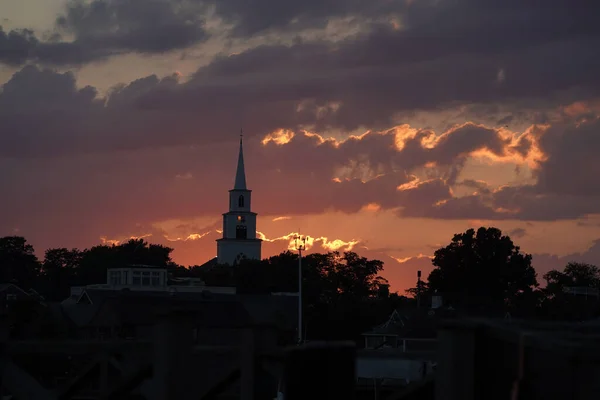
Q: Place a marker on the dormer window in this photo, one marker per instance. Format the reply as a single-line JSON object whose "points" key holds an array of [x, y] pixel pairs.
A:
{"points": [[241, 201]]}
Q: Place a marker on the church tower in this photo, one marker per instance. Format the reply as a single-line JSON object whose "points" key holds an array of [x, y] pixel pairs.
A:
{"points": [[239, 223]]}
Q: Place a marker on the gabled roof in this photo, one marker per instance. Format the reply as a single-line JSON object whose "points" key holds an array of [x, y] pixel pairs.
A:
{"points": [[395, 325], [210, 263], [80, 314], [6, 286], [412, 322]]}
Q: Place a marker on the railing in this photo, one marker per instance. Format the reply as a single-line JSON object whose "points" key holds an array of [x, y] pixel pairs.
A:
{"points": [[406, 345], [485, 359]]}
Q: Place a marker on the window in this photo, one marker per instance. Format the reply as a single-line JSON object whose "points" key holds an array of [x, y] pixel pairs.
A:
{"points": [[105, 332], [241, 201], [155, 279], [137, 278], [115, 278], [241, 232]]}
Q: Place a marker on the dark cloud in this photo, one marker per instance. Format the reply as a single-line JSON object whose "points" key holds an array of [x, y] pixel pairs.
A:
{"points": [[103, 28], [573, 159], [517, 233], [448, 52], [259, 16], [16, 45], [475, 39], [145, 26]]}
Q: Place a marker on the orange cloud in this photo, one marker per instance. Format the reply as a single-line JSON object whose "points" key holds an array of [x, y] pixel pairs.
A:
{"points": [[407, 259], [192, 236], [106, 241], [279, 137], [311, 241], [371, 207]]}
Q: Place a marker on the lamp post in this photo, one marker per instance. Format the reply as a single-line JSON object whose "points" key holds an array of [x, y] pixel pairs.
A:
{"points": [[300, 244]]}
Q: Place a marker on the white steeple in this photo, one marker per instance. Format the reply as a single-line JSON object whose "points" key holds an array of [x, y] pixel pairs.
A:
{"points": [[239, 239], [240, 175]]}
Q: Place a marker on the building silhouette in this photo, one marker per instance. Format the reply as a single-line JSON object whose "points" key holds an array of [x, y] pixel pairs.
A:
{"points": [[239, 239]]}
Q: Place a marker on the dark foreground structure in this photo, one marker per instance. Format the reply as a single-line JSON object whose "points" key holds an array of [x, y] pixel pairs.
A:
{"points": [[190, 358], [484, 359], [476, 359]]}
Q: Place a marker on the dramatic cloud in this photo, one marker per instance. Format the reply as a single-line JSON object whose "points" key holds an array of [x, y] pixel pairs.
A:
{"points": [[448, 110], [566, 186], [15, 46], [94, 30]]}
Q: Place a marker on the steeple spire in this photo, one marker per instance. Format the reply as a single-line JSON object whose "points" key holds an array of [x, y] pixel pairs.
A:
{"points": [[240, 175]]}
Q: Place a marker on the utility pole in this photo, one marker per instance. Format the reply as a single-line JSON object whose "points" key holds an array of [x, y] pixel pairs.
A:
{"points": [[300, 244], [418, 289]]}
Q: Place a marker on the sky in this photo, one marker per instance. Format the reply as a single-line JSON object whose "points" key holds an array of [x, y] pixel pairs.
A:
{"points": [[378, 126]]}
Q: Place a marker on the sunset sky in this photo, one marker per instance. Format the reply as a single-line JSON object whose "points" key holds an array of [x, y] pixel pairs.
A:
{"points": [[379, 126]]}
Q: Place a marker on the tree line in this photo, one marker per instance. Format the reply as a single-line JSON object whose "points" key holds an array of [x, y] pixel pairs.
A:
{"points": [[335, 285], [479, 272], [483, 272]]}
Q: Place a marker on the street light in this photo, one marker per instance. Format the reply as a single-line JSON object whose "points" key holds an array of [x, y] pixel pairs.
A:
{"points": [[300, 245]]}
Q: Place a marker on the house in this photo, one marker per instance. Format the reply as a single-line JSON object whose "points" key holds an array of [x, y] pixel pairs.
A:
{"points": [[20, 310], [145, 278], [406, 327], [10, 293], [103, 313]]}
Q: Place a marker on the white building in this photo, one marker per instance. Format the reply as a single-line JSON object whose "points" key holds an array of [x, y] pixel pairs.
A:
{"points": [[145, 278], [239, 239]]}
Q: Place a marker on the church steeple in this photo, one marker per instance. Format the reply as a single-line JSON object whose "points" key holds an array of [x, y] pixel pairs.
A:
{"points": [[239, 239], [240, 175]]}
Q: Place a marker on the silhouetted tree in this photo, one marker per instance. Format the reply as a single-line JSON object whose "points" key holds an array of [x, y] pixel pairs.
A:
{"points": [[343, 294], [560, 305], [482, 271], [58, 272], [574, 274], [422, 288], [18, 262], [96, 260], [337, 286]]}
